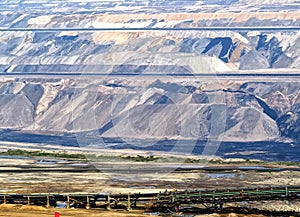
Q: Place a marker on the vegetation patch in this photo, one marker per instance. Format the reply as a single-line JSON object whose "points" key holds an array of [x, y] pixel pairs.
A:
{"points": [[142, 158], [27, 153]]}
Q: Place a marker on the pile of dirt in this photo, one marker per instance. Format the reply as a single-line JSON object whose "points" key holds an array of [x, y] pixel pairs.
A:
{"points": [[32, 208], [7, 206]]}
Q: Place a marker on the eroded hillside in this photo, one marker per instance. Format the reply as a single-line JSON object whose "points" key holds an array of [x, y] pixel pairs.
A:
{"points": [[167, 52], [166, 99], [154, 108]]}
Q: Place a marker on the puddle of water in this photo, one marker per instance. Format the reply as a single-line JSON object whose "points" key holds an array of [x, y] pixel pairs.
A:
{"points": [[45, 162], [220, 175], [170, 215], [61, 205], [152, 213], [252, 168], [15, 157]]}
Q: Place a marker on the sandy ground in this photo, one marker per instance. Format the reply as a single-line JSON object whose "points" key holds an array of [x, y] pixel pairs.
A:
{"points": [[97, 182], [275, 205], [115, 182], [33, 211]]}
